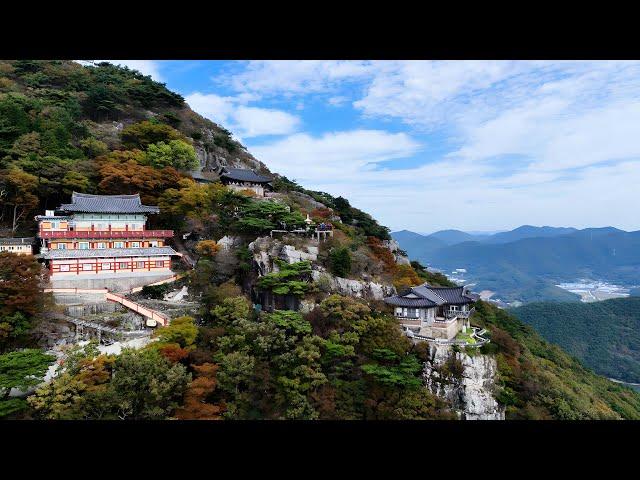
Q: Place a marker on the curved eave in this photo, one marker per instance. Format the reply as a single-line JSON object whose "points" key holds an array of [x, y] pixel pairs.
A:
{"points": [[409, 302]]}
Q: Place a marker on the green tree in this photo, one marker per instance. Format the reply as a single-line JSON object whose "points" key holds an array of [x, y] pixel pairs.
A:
{"points": [[181, 330], [290, 279], [22, 369], [145, 385], [261, 217], [75, 182], [142, 134], [176, 153], [340, 261], [93, 147], [230, 310], [292, 322]]}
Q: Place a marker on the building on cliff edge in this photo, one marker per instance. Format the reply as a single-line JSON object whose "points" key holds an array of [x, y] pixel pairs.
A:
{"points": [[434, 312], [239, 179], [101, 241]]}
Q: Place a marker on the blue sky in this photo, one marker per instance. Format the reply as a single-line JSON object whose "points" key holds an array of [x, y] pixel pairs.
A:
{"points": [[473, 145]]}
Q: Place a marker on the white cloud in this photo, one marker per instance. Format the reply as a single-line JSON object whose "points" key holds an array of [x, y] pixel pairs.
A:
{"points": [[338, 100], [214, 107], [255, 121], [288, 77], [337, 157], [529, 141], [232, 113]]}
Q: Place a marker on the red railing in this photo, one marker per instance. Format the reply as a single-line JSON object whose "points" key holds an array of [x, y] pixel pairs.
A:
{"points": [[109, 234]]}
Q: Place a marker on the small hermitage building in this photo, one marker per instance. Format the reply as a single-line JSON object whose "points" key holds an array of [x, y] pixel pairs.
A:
{"points": [[101, 241], [239, 179], [434, 312], [19, 246]]}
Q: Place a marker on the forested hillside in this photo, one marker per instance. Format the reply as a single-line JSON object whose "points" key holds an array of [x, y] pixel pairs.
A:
{"points": [[540, 380], [105, 129], [604, 335]]}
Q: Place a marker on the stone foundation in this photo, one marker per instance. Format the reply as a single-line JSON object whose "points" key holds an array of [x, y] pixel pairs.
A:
{"points": [[113, 283]]}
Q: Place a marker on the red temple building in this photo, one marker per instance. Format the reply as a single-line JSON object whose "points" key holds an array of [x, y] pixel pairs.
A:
{"points": [[101, 241]]}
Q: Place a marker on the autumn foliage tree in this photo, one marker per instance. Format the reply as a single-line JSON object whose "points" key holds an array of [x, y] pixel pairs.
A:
{"points": [[122, 174], [404, 277], [195, 405], [21, 297], [207, 248], [17, 195]]}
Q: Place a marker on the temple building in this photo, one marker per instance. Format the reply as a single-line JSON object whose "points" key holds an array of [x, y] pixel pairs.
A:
{"points": [[19, 246], [434, 312], [101, 241], [239, 179]]}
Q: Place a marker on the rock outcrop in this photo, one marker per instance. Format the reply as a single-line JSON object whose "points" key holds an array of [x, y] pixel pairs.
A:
{"points": [[469, 391], [266, 249], [353, 288], [398, 254]]}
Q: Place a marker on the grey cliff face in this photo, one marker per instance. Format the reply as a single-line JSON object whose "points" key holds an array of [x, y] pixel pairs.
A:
{"points": [[471, 394]]}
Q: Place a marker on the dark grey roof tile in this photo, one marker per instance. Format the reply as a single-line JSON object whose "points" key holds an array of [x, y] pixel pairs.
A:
{"points": [[83, 202], [243, 175]]}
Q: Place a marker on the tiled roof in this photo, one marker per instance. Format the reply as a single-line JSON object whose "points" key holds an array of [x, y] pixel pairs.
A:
{"points": [[243, 175], [17, 241], [451, 295], [109, 252], [51, 217], [399, 301], [429, 296], [83, 202]]}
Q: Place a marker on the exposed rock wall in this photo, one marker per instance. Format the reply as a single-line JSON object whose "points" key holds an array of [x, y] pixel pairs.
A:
{"points": [[471, 394], [398, 255], [353, 288], [266, 249]]}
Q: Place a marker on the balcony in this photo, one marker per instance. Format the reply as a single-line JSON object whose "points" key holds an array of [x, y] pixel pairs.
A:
{"points": [[108, 234], [459, 314]]}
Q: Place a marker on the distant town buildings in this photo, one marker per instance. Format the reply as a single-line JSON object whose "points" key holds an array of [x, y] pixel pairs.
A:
{"points": [[99, 241]]}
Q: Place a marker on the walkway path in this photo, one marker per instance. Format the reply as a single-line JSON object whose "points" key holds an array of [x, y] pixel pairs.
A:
{"points": [[153, 317]]}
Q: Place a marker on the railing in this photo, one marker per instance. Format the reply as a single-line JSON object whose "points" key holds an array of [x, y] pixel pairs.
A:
{"points": [[459, 313], [409, 320], [150, 314], [108, 234], [477, 334]]}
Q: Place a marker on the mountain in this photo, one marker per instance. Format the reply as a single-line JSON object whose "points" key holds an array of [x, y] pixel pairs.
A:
{"points": [[528, 268], [451, 237], [110, 130], [420, 247], [528, 231], [604, 335]]}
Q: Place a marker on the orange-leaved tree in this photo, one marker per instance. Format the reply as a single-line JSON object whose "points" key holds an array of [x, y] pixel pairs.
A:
{"points": [[195, 398]]}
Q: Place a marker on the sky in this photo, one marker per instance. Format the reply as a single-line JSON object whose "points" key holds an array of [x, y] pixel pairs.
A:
{"points": [[431, 145]]}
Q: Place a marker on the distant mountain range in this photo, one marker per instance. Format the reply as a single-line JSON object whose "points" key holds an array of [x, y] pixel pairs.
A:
{"points": [[525, 263]]}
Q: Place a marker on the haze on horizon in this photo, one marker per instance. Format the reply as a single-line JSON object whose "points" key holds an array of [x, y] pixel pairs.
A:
{"points": [[432, 145]]}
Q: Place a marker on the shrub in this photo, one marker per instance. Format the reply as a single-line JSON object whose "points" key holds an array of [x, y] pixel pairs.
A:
{"points": [[156, 291], [340, 261]]}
